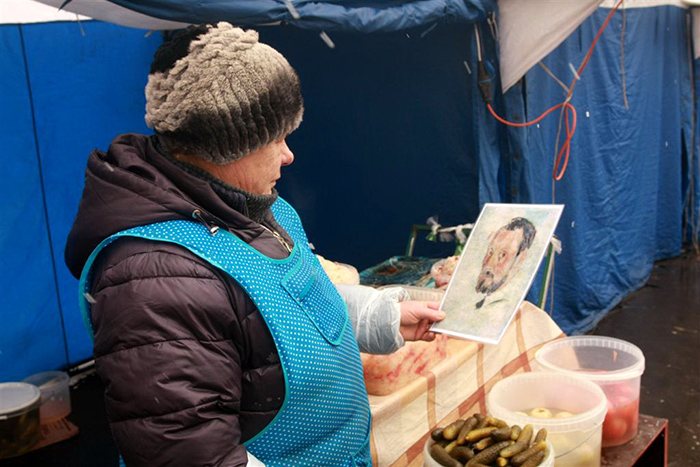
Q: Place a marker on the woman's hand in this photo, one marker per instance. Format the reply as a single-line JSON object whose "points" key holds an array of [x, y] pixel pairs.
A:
{"points": [[416, 319]]}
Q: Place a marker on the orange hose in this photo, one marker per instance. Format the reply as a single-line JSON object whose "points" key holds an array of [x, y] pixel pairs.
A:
{"points": [[570, 129]]}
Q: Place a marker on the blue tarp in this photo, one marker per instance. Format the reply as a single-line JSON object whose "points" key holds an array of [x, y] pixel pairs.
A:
{"points": [[691, 188], [388, 139], [63, 95], [31, 331], [623, 187], [336, 15]]}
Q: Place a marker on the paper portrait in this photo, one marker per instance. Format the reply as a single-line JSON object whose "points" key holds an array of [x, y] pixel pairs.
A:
{"points": [[496, 269]]}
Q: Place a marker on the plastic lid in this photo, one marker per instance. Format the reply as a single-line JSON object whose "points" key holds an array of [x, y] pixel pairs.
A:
{"points": [[48, 379], [17, 397], [596, 358]]}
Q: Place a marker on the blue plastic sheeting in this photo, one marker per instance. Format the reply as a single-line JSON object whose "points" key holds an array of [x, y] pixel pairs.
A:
{"points": [[691, 186], [85, 89], [31, 332], [622, 189], [388, 139], [359, 16], [394, 132]]}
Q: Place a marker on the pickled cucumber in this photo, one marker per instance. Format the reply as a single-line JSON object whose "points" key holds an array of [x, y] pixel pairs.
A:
{"points": [[491, 421], [462, 453], [481, 420], [453, 430], [521, 444], [520, 459], [441, 456], [436, 434], [490, 454], [494, 444], [484, 443], [476, 435], [515, 432], [451, 446], [469, 425], [541, 436], [502, 434], [534, 460]]}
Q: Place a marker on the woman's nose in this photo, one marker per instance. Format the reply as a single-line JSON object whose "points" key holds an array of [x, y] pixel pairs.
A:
{"points": [[287, 154]]}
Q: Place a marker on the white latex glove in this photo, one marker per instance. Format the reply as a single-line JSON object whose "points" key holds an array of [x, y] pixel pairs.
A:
{"points": [[384, 319], [375, 316]]}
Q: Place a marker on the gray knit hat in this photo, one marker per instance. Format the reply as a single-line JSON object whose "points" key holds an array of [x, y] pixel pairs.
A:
{"points": [[217, 93]]}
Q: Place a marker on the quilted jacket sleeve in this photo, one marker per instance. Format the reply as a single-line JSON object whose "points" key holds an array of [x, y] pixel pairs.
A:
{"points": [[168, 348]]}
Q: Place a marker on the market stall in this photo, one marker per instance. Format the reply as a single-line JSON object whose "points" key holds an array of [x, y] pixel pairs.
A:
{"points": [[445, 143]]}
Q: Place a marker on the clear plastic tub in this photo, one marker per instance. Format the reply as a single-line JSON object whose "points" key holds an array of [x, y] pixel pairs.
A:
{"points": [[428, 461], [55, 394], [20, 429], [614, 365], [576, 439]]}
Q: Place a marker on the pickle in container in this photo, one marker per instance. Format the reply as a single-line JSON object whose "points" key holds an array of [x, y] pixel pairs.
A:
{"points": [[485, 441]]}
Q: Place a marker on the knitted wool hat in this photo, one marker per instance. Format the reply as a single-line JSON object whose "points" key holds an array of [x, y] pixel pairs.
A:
{"points": [[217, 93]]}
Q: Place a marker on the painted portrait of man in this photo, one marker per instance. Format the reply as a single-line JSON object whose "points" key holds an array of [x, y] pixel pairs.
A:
{"points": [[496, 269], [507, 249]]}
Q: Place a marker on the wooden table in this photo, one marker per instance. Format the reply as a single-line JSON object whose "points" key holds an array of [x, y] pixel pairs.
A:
{"points": [[648, 449]]}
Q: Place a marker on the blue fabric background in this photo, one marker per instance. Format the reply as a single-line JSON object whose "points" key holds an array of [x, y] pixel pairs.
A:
{"points": [[623, 186], [85, 90], [31, 331], [395, 131]]}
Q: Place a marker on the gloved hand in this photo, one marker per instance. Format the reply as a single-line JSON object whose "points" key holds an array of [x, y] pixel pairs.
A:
{"points": [[416, 319], [384, 319]]}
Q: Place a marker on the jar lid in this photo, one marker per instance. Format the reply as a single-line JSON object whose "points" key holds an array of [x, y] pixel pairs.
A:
{"points": [[16, 398]]}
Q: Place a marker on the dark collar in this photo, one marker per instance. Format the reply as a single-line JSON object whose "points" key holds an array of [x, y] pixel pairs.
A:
{"points": [[255, 207]]}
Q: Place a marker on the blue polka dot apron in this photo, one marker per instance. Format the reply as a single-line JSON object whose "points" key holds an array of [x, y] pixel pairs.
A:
{"points": [[325, 416]]}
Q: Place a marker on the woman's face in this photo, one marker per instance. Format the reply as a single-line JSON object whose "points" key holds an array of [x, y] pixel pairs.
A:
{"points": [[256, 172], [259, 171]]}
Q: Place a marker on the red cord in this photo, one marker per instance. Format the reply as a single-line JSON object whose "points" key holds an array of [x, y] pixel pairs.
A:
{"points": [[570, 129]]}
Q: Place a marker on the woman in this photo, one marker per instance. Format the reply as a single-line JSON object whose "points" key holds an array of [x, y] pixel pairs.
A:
{"points": [[217, 334]]}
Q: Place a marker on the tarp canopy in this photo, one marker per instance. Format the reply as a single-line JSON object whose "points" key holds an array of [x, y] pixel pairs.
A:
{"points": [[527, 31], [336, 15]]}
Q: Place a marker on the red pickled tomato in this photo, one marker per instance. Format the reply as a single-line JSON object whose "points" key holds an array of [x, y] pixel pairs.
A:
{"points": [[620, 421], [629, 412], [614, 428]]}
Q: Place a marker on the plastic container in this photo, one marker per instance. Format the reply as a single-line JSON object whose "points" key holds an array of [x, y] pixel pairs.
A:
{"points": [[428, 461], [55, 394], [576, 439], [20, 428], [614, 365]]}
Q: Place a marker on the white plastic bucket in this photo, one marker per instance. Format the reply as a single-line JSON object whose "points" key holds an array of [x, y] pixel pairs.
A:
{"points": [[614, 365], [576, 440]]}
